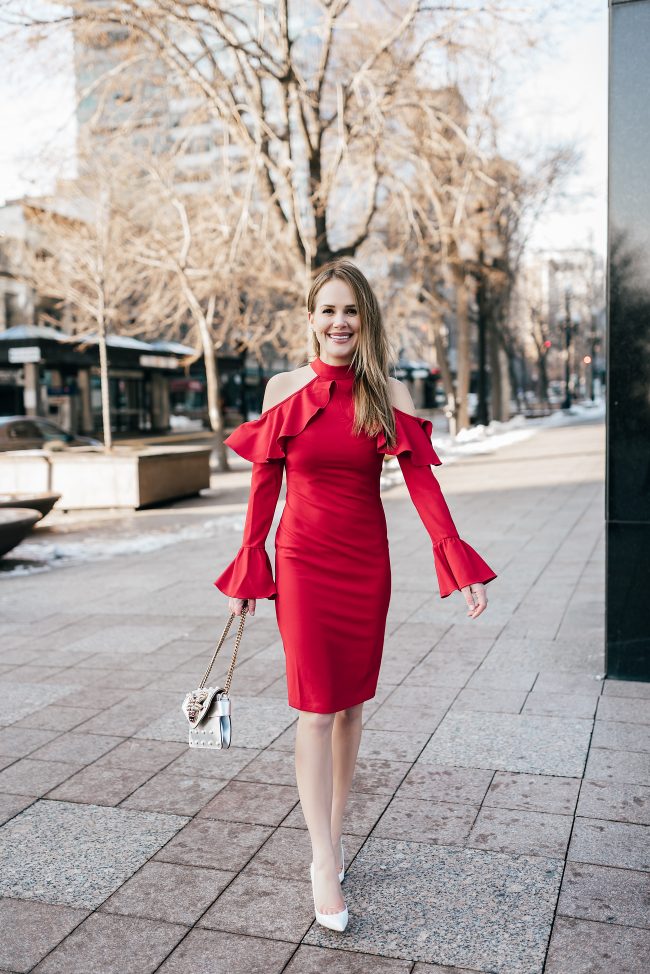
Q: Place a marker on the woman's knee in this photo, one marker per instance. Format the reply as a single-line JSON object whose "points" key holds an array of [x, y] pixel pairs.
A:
{"points": [[351, 714], [317, 723]]}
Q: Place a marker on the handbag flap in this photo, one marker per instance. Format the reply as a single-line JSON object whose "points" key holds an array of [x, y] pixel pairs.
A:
{"points": [[197, 703]]}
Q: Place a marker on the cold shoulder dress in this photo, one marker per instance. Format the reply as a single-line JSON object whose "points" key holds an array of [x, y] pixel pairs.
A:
{"points": [[332, 569]]}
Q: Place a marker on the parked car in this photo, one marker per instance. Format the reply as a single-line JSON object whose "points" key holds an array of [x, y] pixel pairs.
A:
{"points": [[33, 433]]}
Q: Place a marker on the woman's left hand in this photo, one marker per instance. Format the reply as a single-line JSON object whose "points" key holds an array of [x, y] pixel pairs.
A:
{"points": [[476, 599]]}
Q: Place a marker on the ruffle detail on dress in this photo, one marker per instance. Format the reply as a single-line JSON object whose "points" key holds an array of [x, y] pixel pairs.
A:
{"points": [[413, 436], [264, 439], [248, 576], [458, 565]]}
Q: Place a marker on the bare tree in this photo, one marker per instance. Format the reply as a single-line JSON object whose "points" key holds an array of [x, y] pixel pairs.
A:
{"points": [[77, 258]]}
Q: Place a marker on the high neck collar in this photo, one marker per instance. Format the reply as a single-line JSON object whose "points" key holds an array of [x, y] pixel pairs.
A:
{"points": [[332, 371]]}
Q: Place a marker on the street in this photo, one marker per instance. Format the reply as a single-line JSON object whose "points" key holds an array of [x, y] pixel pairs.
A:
{"points": [[499, 815]]}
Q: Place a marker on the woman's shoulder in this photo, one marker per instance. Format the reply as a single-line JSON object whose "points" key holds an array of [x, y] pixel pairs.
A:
{"points": [[400, 396], [283, 384]]}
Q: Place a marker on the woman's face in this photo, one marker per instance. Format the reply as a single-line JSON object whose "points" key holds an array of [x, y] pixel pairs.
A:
{"points": [[336, 322]]}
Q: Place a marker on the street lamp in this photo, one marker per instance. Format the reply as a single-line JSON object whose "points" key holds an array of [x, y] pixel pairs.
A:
{"points": [[570, 328]]}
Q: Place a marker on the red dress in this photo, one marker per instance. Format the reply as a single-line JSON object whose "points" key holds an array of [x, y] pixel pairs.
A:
{"points": [[332, 570]]}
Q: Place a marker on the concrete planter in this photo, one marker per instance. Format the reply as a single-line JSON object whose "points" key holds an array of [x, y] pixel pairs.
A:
{"points": [[123, 479]]}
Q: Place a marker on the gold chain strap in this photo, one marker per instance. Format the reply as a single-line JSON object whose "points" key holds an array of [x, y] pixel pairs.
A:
{"points": [[240, 632]]}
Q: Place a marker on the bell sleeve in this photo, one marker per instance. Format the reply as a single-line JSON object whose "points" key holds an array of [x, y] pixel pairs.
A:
{"points": [[249, 575], [457, 563]]}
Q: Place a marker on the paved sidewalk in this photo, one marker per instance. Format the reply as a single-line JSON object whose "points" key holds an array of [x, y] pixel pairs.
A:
{"points": [[501, 828]]}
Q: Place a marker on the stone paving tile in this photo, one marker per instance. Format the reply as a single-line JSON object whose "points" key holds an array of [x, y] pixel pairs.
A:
{"points": [[615, 801], [568, 683], [100, 786], [14, 694], [608, 895], [116, 639], [377, 776], [515, 830], [361, 813], [619, 736], [76, 748], [463, 786], [466, 907], [288, 853], [257, 722], [10, 805], [263, 906], [57, 717], [36, 673], [136, 709], [632, 710], [286, 741], [420, 719], [626, 688], [540, 793], [511, 742], [35, 778], [402, 746], [583, 947], [610, 843], [227, 953], [437, 969], [148, 755], [251, 801], [497, 678], [214, 844], [327, 960], [272, 767], [175, 793], [561, 704], [16, 742], [545, 654], [102, 698], [224, 764], [30, 930], [419, 820], [421, 697], [76, 855], [169, 892], [113, 945], [622, 766], [90, 677], [492, 701], [440, 672]]}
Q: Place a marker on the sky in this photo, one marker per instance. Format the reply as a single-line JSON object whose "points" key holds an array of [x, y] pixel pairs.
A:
{"points": [[560, 95]]}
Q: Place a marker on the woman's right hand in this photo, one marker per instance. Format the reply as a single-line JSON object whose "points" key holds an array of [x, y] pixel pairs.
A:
{"points": [[236, 605]]}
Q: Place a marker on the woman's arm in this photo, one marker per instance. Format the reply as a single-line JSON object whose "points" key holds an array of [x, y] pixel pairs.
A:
{"points": [[249, 576], [458, 565]]}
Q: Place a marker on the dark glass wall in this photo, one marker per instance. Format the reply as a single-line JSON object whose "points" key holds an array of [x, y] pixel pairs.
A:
{"points": [[628, 426]]}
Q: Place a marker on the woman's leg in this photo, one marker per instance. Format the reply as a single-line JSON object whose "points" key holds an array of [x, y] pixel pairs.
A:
{"points": [[346, 736], [314, 779]]}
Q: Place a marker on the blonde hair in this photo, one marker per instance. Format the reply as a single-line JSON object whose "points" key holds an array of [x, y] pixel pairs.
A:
{"points": [[373, 409]]}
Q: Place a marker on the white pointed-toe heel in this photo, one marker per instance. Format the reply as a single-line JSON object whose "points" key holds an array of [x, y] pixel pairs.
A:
{"points": [[334, 921], [342, 873]]}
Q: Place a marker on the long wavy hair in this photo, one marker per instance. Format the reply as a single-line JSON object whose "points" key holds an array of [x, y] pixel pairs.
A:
{"points": [[372, 401]]}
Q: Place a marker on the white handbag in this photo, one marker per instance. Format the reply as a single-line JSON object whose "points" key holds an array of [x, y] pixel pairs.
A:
{"points": [[208, 708]]}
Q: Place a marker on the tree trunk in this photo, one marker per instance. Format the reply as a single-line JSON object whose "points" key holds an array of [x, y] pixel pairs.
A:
{"points": [[462, 352], [103, 379], [212, 383], [499, 377]]}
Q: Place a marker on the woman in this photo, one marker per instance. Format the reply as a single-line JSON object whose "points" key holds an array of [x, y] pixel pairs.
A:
{"points": [[330, 424]]}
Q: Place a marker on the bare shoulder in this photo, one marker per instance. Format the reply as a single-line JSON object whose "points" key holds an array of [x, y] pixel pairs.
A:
{"points": [[401, 396], [283, 384]]}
